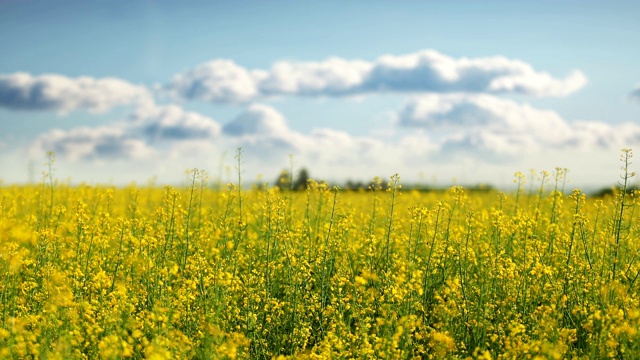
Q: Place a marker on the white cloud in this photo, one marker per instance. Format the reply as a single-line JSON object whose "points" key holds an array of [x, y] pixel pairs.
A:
{"points": [[334, 76], [223, 81], [488, 146], [424, 71], [50, 92], [165, 131], [97, 143], [151, 128], [171, 122], [587, 135], [418, 145], [338, 148], [448, 135], [498, 129], [170, 137], [258, 120], [263, 134], [483, 112], [216, 81], [431, 71], [527, 81]]}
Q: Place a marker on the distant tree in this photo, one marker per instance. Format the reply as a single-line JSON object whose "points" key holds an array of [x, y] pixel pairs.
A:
{"points": [[354, 185], [301, 181], [610, 191], [283, 182]]}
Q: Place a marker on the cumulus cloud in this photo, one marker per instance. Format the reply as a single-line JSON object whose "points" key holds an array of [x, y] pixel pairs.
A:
{"points": [[495, 128], [483, 112], [258, 120], [93, 143], [223, 81], [487, 146], [169, 129], [151, 127], [264, 134], [50, 92], [588, 135], [170, 134], [334, 76], [338, 148], [171, 122], [432, 71], [424, 71], [218, 81], [457, 132]]}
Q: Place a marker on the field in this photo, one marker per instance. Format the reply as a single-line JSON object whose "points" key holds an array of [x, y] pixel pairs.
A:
{"points": [[192, 272]]}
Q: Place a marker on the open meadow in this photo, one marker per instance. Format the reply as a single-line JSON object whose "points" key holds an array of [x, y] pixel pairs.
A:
{"points": [[192, 272]]}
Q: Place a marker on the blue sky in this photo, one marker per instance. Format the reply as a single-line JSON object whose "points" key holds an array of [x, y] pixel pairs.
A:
{"points": [[461, 91]]}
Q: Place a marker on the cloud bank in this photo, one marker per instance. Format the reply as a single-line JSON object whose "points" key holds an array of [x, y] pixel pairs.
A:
{"points": [[258, 120], [453, 116], [149, 130], [223, 81], [93, 144], [218, 81], [473, 132], [51, 92], [496, 128], [171, 122]]}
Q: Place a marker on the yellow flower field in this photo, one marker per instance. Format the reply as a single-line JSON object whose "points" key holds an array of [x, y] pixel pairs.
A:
{"points": [[93, 272]]}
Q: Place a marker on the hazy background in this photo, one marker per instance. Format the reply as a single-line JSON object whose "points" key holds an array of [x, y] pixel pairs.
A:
{"points": [[440, 92]]}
